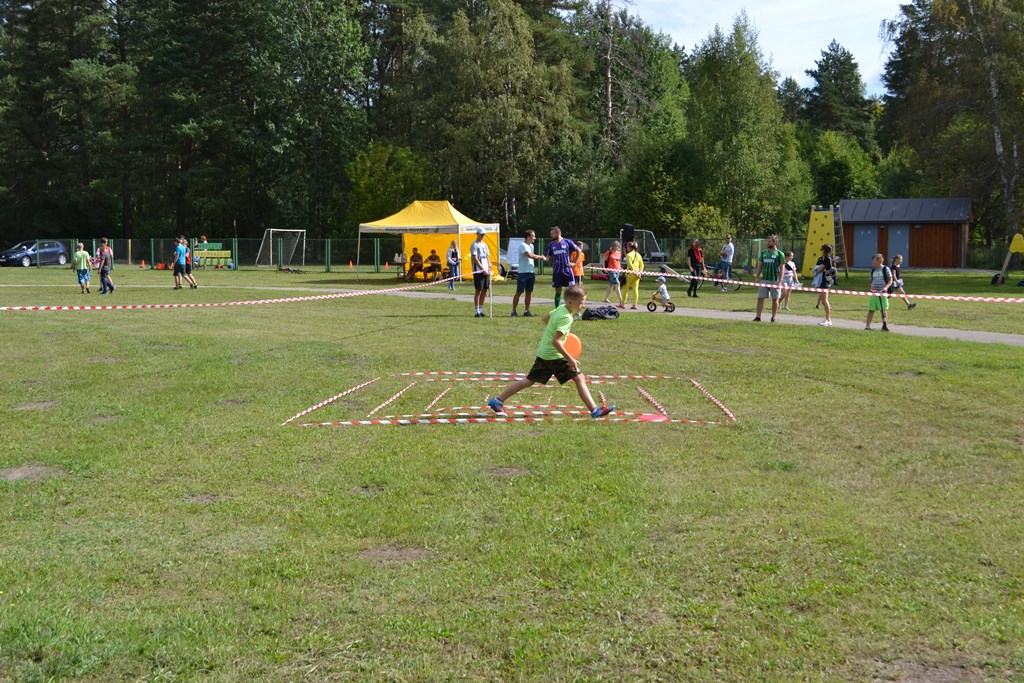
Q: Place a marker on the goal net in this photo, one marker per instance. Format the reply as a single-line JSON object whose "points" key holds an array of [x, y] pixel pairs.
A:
{"points": [[282, 248]]}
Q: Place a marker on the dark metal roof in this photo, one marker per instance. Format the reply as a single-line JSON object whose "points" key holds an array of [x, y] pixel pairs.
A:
{"points": [[949, 210]]}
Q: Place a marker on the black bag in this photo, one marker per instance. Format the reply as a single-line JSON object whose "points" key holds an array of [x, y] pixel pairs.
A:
{"points": [[600, 313]]}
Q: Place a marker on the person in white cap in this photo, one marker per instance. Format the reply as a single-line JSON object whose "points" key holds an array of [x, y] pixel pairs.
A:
{"points": [[481, 255]]}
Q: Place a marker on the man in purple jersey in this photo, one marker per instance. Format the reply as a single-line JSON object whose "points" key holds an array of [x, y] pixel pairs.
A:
{"points": [[558, 252]]}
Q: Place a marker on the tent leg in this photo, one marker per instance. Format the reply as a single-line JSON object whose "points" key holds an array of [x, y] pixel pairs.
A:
{"points": [[359, 243]]}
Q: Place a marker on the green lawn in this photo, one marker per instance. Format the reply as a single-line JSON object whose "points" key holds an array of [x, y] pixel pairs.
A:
{"points": [[861, 519]]}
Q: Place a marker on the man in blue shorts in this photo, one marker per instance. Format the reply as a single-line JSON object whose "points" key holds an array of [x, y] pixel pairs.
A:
{"points": [[527, 275], [558, 252]]}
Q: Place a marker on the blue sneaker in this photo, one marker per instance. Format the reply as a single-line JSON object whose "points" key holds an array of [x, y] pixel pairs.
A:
{"points": [[496, 405], [601, 411]]}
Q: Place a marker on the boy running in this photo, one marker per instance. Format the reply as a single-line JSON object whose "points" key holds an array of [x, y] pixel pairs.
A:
{"points": [[553, 359]]}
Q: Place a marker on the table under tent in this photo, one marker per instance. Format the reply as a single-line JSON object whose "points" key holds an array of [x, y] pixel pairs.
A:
{"points": [[428, 225]]}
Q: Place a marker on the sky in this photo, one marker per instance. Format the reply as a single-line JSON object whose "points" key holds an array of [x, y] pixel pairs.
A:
{"points": [[792, 33]]}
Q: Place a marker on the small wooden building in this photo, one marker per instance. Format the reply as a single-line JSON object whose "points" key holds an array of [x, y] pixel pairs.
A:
{"points": [[930, 233]]}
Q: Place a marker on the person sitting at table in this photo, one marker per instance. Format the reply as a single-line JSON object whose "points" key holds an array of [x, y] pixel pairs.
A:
{"points": [[415, 264], [434, 264]]}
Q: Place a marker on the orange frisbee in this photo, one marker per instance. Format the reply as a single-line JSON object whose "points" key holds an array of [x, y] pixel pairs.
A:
{"points": [[573, 345]]}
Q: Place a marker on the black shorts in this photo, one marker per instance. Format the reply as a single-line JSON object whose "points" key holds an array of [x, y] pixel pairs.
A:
{"points": [[179, 268], [543, 369], [481, 282]]}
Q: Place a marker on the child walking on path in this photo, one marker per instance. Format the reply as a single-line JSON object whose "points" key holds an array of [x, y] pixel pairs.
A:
{"points": [[897, 281], [553, 359], [881, 280], [81, 264]]}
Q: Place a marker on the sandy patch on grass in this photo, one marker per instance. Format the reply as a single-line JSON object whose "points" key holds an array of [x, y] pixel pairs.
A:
{"points": [[103, 419], [508, 471], [106, 359], [906, 671], [232, 402], [390, 553], [368, 490], [33, 472], [37, 405]]}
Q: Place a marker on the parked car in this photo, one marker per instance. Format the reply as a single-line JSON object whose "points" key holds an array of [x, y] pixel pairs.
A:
{"points": [[25, 254]]}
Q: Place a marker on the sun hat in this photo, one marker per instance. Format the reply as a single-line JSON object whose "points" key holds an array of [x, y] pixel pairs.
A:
{"points": [[661, 278], [480, 231]]}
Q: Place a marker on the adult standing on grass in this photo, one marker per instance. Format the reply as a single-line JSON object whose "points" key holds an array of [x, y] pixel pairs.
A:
{"points": [[526, 278], [695, 257], [454, 259], [769, 272], [634, 266], [881, 281], [81, 265], [481, 255], [106, 262], [613, 262], [724, 266], [824, 278], [559, 251]]}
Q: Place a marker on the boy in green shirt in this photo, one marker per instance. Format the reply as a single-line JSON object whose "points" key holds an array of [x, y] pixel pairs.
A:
{"points": [[80, 262], [769, 272], [554, 359]]}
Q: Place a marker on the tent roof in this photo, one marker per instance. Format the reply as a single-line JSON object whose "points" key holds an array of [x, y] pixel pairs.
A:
{"points": [[427, 217]]}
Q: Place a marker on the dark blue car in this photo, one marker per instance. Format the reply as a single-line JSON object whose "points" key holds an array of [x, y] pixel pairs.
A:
{"points": [[26, 254]]}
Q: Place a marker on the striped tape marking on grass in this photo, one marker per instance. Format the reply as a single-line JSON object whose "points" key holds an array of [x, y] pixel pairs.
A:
{"points": [[332, 399], [390, 400], [653, 401], [497, 419], [728, 413]]}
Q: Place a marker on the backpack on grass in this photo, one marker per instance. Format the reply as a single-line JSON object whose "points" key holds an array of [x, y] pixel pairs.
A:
{"points": [[600, 313]]}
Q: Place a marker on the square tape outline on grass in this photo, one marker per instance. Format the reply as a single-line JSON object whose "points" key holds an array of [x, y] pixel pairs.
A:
{"points": [[540, 412]]}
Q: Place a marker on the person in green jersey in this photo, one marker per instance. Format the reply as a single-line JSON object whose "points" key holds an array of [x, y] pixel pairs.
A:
{"points": [[80, 262], [769, 272], [554, 359]]}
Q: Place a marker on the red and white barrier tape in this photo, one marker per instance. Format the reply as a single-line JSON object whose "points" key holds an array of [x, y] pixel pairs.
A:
{"points": [[497, 419], [390, 400], [660, 408], [854, 292], [213, 304], [728, 413], [329, 401], [439, 397]]}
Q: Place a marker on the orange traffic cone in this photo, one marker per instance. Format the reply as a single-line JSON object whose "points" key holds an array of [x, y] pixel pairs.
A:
{"points": [[143, 264], [350, 264], [386, 266]]}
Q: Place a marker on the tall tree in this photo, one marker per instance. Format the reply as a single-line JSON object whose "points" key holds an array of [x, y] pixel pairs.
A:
{"points": [[747, 155], [836, 101], [495, 114], [954, 82]]}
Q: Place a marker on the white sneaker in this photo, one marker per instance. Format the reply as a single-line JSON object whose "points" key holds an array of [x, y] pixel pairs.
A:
{"points": [[825, 323]]}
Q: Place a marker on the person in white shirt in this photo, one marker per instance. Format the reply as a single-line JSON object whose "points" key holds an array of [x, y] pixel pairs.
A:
{"points": [[724, 265], [526, 278], [481, 255]]}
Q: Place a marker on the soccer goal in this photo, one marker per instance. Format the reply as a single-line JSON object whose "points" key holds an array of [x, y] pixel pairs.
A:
{"points": [[279, 248]]}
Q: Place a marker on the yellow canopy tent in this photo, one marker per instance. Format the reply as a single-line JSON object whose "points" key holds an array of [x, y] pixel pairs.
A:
{"points": [[433, 225]]}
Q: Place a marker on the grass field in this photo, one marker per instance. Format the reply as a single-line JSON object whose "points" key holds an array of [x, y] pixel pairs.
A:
{"points": [[860, 521]]}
